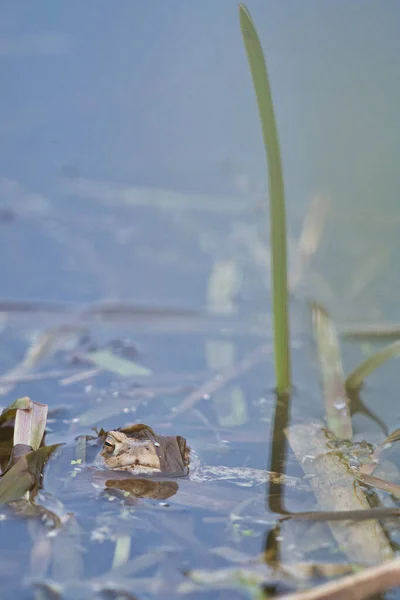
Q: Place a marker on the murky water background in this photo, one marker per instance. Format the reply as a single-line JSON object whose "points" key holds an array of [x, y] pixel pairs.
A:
{"points": [[132, 170]]}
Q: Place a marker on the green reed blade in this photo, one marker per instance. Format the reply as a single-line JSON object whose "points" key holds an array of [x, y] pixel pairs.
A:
{"points": [[259, 75]]}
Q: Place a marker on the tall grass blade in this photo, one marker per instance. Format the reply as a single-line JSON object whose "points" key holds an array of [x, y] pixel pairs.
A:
{"points": [[259, 75], [330, 364], [356, 378]]}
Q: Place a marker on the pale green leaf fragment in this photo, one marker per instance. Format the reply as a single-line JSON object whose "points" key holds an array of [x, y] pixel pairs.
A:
{"points": [[231, 408], [117, 364], [258, 70]]}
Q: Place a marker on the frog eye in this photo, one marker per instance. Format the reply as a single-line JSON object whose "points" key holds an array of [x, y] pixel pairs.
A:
{"points": [[109, 444]]}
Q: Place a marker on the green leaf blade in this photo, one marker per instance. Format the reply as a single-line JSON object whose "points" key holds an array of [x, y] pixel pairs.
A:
{"points": [[260, 79]]}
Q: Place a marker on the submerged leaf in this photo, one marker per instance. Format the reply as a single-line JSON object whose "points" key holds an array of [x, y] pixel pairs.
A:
{"points": [[230, 406], [310, 238], [331, 370], [28, 510], [122, 551], [117, 364], [222, 287], [48, 343], [247, 576], [229, 402], [393, 437], [356, 378]]}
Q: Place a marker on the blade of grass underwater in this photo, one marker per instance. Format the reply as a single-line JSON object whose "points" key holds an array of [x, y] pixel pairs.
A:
{"points": [[310, 238], [104, 359], [259, 75], [30, 424], [356, 378], [330, 365], [68, 553], [49, 342]]}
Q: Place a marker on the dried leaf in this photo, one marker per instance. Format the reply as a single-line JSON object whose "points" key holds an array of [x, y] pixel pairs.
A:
{"points": [[330, 365], [9, 413], [30, 425], [27, 510], [24, 474]]}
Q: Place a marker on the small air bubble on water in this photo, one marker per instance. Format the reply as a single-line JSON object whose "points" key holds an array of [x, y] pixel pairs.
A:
{"points": [[339, 404], [52, 533], [206, 397]]}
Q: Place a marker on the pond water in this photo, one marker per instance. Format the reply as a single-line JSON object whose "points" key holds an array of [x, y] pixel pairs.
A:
{"points": [[133, 221]]}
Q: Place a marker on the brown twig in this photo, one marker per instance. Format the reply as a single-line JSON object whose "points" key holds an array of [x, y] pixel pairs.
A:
{"points": [[344, 515], [367, 331], [367, 583], [387, 486]]}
